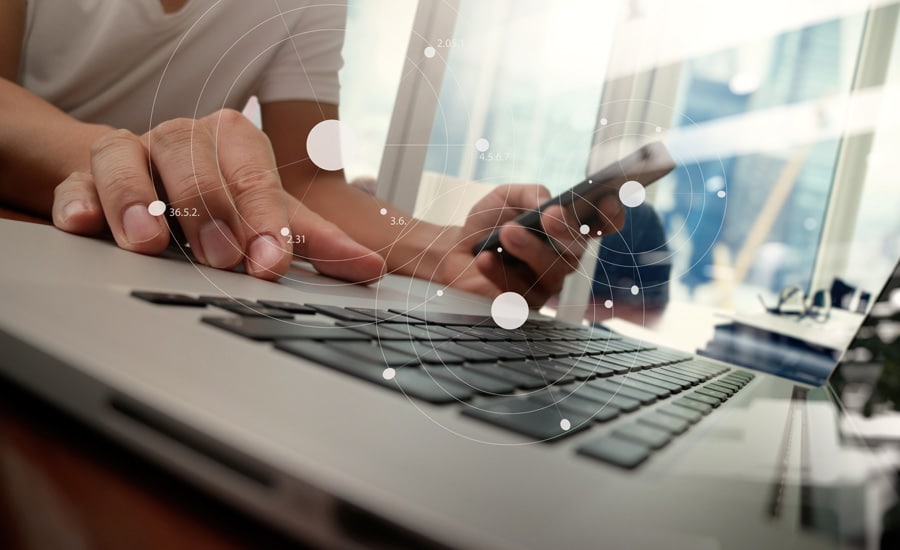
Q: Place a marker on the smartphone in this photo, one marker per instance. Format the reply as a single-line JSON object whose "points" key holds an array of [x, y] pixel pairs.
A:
{"points": [[646, 165]]}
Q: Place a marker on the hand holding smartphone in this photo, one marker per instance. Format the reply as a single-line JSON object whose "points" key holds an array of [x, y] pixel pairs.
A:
{"points": [[646, 165]]}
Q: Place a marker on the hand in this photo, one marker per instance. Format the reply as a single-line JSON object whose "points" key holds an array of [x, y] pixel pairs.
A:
{"points": [[542, 265], [220, 171]]}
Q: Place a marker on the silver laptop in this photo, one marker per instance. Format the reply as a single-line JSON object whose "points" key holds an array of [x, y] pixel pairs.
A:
{"points": [[320, 406]]}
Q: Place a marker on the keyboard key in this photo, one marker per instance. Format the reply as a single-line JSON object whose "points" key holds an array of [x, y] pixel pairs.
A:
{"points": [[653, 381], [262, 328], [587, 364], [646, 398], [478, 382], [407, 380], [425, 352], [655, 438], [451, 333], [547, 375], [376, 331], [291, 307], [449, 319], [599, 412], [518, 379], [683, 413], [682, 383], [616, 451], [720, 382], [167, 298], [727, 390], [414, 332], [491, 348], [626, 380], [694, 405], [602, 397], [220, 300], [255, 310], [375, 355], [387, 316], [343, 314], [670, 423], [709, 400], [528, 417]]}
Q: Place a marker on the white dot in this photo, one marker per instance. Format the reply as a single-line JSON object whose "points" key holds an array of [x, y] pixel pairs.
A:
{"points": [[331, 144], [721, 194], [599, 232], [383, 211], [608, 304], [440, 292], [285, 231], [810, 224], [388, 373], [715, 183], [565, 424], [156, 208], [482, 145], [585, 229], [500, 249], [430, 51], [632, 193], [590, 181], [658, 130], [509, 310], [603, 122], [635, 290]]}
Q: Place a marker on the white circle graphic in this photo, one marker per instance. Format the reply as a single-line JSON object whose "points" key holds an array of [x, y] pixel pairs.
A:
{"points": [[585, 229], [430, 51], [331, 144], [156, 208], [482, 145], [509, 310], [632, 193], [565, 424]]}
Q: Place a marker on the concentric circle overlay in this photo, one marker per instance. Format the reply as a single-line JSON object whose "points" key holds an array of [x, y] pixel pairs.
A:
{"points": [[509, 310], [331, 144], [156, 208], [632, 194]]}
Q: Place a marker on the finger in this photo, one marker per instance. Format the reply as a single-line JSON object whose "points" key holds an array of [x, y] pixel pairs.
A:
{"points": [[548, 262], [563, 228], [184, 153], [613, 214], [76, 206], [247, 164], [501, 205], [514, 278], [122, 180], [331, 251]]}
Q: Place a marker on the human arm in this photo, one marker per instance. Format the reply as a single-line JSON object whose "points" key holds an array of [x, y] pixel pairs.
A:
{"points": [[425, 250], [39, 144]]}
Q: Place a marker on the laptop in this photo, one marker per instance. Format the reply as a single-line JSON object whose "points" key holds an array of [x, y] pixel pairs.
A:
{"points": [[330, 410]]}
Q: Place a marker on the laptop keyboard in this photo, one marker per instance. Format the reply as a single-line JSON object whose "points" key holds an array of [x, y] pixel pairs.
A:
{"points": [[546, 380]]}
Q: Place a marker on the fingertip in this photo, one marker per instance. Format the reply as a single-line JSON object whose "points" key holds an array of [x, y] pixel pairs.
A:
{"points": [[80, 217], [267, 259], [142, 232]]}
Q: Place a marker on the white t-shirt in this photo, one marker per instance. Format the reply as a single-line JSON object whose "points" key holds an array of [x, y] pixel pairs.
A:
{"points": [[128, 64]]}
